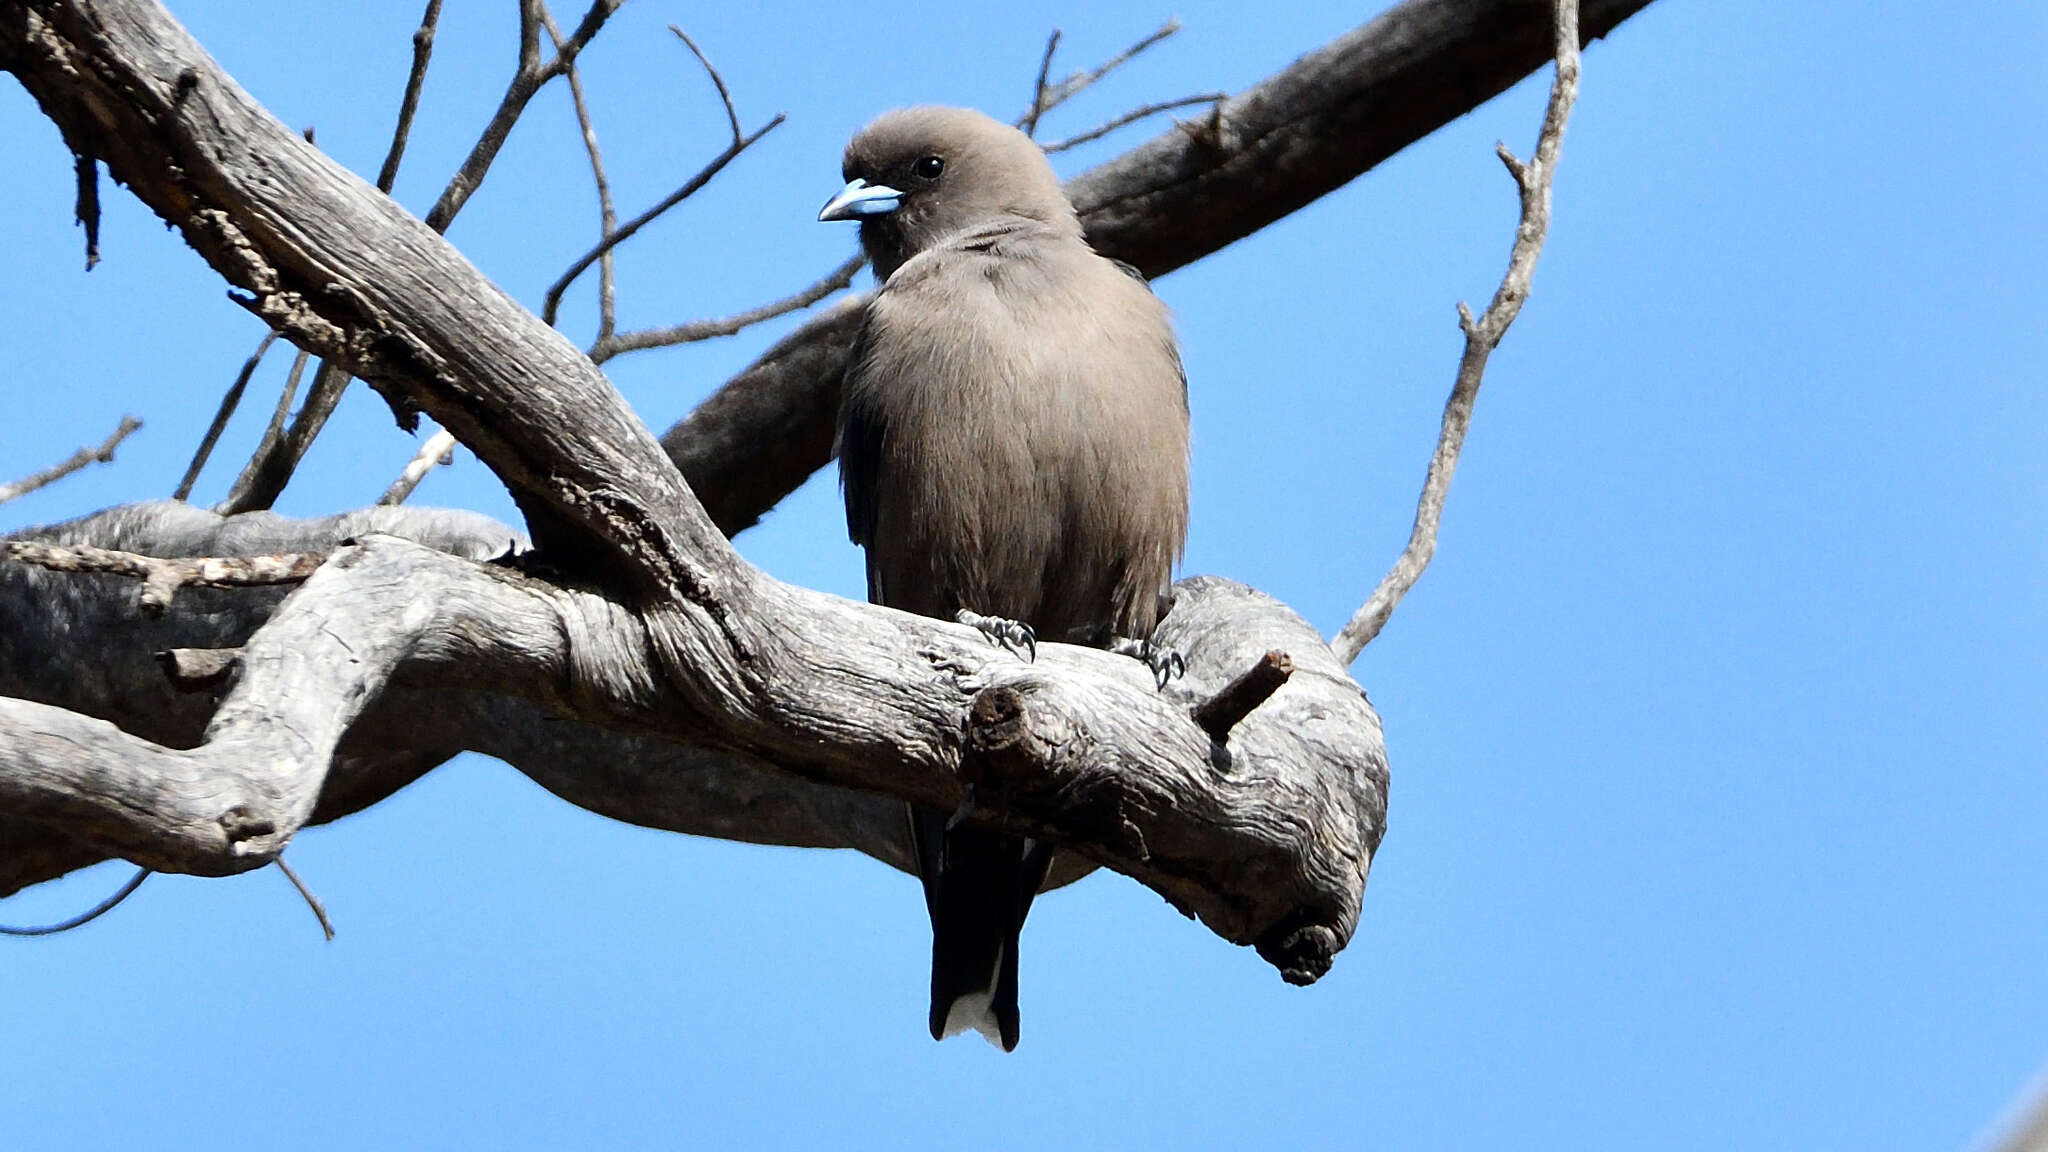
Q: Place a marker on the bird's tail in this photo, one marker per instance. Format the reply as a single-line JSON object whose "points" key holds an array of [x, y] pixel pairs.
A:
{"points": [[978, 886]]}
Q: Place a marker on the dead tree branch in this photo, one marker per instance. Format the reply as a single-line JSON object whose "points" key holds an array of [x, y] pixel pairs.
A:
{"points": [[162, 578], [1045, 97], [229, 401], [1133, 116], [1482, 336], [409, 104], [607, 214], [741, 141], [836, 280], [1303, 132], [439, 449], [104, 454]]}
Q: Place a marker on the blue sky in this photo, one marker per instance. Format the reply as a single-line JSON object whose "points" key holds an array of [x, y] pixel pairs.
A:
{"points": [[1716, 727]]}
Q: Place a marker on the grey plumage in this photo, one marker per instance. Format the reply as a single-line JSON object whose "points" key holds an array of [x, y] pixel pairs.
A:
{"points": [[1013, 441]]}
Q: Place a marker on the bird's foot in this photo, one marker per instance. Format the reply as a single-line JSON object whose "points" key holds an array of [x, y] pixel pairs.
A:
{"points": [[1015, 635], [1166, 664]]}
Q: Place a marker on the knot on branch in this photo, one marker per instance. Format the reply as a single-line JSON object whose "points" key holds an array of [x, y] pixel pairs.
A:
{"points": [[1300, 947], [1253, 687]]}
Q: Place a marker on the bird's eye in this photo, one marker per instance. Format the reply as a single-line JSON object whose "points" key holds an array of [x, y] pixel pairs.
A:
{"points": [[929, 167]]}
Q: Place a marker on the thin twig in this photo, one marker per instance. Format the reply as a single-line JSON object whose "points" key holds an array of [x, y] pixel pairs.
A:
{"points": [[1046, 99], [1132, 117], [439, 449], [312, 901], [554, 297], [88, 207], [85, 917], [1482, 336], [274, 431], [271, 466], [527, 79], [103, 454], [732, 115], [840, 277], [1029, 122], [162, 577], [607, 214], [409, 105], [228, 404]]}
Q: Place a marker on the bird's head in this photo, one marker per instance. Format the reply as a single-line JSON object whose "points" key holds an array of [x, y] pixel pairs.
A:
{"points": [[918, 175]]}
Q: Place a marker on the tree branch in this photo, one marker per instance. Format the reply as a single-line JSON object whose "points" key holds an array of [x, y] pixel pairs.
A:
{"points": [[1482, 336], [104, 454]]}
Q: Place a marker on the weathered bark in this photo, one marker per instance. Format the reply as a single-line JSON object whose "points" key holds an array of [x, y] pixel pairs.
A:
{"points": [[637, 617], [1303, 132]]}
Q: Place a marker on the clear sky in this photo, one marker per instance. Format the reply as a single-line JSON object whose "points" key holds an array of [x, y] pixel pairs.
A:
{"points": [[1716, 728]]}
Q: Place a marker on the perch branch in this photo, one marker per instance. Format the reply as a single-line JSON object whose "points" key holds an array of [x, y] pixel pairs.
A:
{"points": [[1482, 336], [104, 454]]}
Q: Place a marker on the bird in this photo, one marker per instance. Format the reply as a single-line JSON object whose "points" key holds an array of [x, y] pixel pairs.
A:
{"points": [[1013, 452]]}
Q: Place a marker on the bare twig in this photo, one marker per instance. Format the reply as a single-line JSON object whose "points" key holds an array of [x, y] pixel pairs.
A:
{"points": [[732, 116], [271, 466], [439, 449], [77, 460], [87, 916], [527, 79], [422, 52], [228, 403], [1045, 98], [1482, 336], [608, 216], [1135, 115], [274, 431], [88, 207], [161, 578], [740, 143], [839, 278], [312, 901], [1029, 121]]}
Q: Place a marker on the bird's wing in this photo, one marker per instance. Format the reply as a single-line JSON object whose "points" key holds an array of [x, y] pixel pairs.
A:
{"points": [[860, 452]]}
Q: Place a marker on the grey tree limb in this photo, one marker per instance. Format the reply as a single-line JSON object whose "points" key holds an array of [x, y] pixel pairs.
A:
{"points": [[1305, 131], [636, 617], [494, 655]]}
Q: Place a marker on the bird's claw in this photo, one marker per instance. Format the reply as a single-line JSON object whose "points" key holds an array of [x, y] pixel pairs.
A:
{"points": [[1014, 635], [1166, 664]]}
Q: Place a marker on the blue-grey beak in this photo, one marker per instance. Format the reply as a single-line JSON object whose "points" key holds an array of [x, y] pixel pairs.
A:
{"points": [[860, 198]]}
